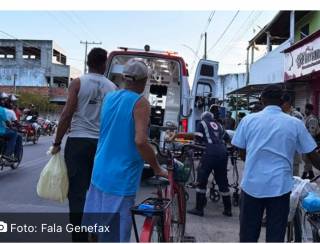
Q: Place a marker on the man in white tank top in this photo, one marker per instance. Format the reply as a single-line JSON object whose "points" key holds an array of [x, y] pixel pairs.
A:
{"points": [[82, 114]]}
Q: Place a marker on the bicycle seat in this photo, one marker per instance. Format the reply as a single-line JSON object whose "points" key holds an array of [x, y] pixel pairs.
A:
{"points": [[158, 181]]}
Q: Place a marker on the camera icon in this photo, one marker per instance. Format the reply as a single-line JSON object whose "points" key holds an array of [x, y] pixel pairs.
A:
{"points": [[3, 226]]}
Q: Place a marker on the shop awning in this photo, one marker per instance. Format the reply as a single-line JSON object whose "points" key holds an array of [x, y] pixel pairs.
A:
{"points": [[252, 90]]}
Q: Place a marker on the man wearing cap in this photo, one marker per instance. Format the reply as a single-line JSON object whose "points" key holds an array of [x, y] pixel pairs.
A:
{"points": [[122, 149]]}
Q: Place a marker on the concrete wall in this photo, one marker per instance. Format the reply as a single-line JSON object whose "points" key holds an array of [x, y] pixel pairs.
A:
{"points": [[23, 76], [29, 72], [270, 68], [229, 83]]}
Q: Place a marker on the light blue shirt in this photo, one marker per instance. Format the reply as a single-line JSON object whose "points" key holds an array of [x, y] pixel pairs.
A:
{"points": [[3, 119], [118, 164], [270, 138]]}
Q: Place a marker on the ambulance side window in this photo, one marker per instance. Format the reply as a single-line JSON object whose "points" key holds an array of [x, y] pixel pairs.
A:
{"points": [[203, 89], [207, 70]]}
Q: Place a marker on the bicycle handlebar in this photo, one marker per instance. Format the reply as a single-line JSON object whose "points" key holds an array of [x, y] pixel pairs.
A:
{"points": [[184, 147]]}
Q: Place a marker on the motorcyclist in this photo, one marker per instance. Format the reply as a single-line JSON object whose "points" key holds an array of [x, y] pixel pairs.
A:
{"points": [[6, 131], [14, 123], [31, 116], [14, 106], [211, 133]]}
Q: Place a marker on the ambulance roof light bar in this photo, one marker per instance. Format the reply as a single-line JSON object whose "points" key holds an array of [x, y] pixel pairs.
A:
{"points": [[147, 49]]}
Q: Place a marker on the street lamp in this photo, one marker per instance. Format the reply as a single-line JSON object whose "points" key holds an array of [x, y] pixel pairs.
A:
{"points": [[191, 49]]}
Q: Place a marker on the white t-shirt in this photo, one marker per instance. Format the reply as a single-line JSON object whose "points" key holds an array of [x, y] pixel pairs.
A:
{"points": [[11, 115]]}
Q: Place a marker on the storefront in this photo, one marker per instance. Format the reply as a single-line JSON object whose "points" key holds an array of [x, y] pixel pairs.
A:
{"points": [[302, 71]]}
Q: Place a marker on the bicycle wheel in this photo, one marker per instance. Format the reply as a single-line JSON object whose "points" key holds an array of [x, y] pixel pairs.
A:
{"points": [[178, 216], [152, 230]]}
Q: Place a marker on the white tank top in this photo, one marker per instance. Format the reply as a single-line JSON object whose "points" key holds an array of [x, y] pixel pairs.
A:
{"points": [[86, 120]]}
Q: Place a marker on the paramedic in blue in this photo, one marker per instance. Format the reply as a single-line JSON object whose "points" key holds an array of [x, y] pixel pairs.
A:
{"points": [[268, 141], [211, 133]]}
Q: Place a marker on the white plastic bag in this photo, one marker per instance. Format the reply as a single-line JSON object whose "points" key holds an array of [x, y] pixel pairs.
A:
{"points": [[53, 183]]}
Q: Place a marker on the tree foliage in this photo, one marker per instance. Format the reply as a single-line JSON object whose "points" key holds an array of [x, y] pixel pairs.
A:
{"points": [[42, 103], [241, 102]]}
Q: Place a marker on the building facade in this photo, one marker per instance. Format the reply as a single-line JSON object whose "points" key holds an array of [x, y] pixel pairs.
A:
{"points": [[36, 66], [291, 56]]}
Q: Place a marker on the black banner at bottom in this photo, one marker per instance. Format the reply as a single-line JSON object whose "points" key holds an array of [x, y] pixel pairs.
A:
{"points": [[56, 227]]}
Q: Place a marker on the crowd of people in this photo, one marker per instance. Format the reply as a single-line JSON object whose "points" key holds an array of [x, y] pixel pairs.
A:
{"points": [[108, 144]]}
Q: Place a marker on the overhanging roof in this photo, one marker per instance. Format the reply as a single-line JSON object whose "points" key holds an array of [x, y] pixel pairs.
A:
{"points": [[279, 28], [251, 90]]}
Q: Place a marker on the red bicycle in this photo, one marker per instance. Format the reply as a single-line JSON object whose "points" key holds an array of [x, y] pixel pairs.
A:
{"points": [[165, 215]]}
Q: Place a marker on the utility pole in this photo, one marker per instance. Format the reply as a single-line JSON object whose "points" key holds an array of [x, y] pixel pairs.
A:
{"points": [[14, 84], [205, 46], [86, 43]]}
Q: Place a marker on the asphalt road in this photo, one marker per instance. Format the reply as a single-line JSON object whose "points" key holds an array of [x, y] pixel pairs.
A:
{"points": [[18, 194]]}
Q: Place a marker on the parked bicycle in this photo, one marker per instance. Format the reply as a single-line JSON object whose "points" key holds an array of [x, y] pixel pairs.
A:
{"points": [[165, 215], [299, 225]]}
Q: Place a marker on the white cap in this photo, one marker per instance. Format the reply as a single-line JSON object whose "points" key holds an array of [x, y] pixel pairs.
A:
{"points": [[135, 70]]}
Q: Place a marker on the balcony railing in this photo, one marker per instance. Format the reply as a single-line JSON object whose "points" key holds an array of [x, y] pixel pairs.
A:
{"points": [[269, 68]]}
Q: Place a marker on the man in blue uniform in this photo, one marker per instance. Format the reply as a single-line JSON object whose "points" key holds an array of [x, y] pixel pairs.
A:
{"points": [[215, 157]]}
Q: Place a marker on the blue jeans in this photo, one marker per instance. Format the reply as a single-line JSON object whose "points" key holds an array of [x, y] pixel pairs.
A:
{"points": [[11, 144], [98, 201]]}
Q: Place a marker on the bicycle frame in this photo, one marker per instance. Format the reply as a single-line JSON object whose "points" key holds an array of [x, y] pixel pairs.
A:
{"points": [[159, 212], [168, 193]]}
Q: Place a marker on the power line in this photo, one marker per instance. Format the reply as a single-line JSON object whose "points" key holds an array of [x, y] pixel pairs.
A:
{"points": [[84, 25], [28, 44], [239, 34], [201, 37], [223, 33], [239, 37], [75, 35]]}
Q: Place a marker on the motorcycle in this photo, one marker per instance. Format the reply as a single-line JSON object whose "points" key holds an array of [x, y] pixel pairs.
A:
{"points": [[48, 127], [30, 131]]}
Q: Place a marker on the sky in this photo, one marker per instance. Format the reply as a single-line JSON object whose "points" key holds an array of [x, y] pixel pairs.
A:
{"points": [[163, 30]]}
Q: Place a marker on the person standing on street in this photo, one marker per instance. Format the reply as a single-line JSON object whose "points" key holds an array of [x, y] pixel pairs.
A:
{"points": [[312, 124], [123, 147], [229, 122], [82, 114], [268, 141], [211, 133], [287, 108]]}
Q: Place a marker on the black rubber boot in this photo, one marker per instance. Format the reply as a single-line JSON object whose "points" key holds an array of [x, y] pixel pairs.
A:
{"points": [[200, 203], [311, 175], [304, 175], [227, 206]]}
